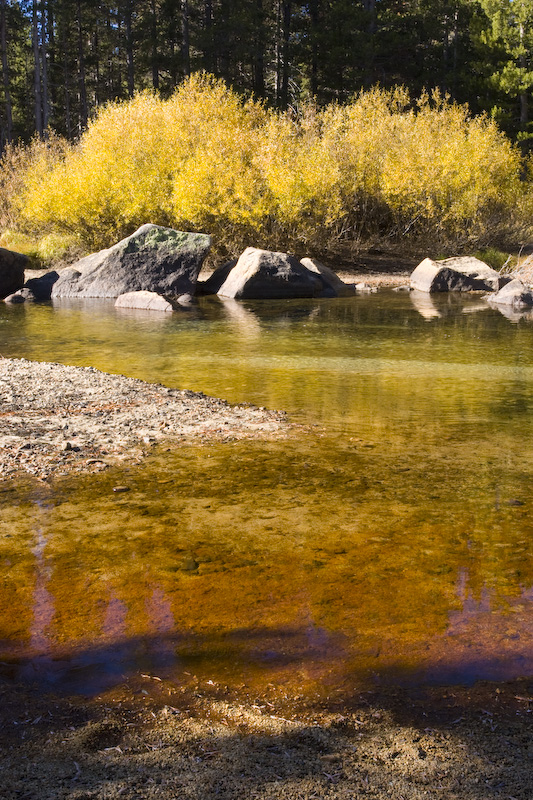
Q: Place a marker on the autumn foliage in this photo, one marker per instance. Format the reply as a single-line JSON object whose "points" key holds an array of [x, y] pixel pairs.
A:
{"points": [[379, 168]]}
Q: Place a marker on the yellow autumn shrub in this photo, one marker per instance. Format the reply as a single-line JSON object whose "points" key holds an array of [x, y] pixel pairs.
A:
{"points": [[216, 184], [207, 160], [450, 173]]}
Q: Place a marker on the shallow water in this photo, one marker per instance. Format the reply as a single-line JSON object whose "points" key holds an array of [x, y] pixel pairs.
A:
{"points": [[390, 541]]}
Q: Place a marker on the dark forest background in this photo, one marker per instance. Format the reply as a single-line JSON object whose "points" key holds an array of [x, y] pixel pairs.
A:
{"points": [[62, 59]]}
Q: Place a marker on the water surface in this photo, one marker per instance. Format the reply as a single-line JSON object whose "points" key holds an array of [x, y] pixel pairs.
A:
{"points": [[390, 541]]}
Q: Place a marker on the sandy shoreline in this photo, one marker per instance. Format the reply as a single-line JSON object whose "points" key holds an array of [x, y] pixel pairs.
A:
{"points": [[56, 419]]}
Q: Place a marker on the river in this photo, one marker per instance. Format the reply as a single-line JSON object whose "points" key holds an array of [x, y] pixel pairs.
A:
{"points": [[390, 541]]}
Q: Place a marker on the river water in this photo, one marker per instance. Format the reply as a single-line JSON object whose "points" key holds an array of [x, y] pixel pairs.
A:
{"points": [[390, 541]]}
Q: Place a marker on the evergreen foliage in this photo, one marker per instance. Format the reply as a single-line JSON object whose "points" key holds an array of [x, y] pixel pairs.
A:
{"points": [[62, 60]]}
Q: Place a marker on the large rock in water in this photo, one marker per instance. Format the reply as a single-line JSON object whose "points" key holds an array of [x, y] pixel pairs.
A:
{"points": [[463, 274], [263, 274], [152, 259], [333, 286], [11, 271], [514, 294], [212, 284]]}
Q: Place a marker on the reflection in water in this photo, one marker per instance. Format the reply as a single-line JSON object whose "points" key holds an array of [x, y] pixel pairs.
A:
{"points": [[423, 302], [43, 601], [245, 321], [114, 624], [514, 314], [390, 540], [441, 304]]}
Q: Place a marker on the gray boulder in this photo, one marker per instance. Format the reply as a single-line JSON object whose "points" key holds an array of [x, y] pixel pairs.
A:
{"points": [[152, 259], [149, 301], [333, 286], [40, 289], [263, 274], [11, 271], [14, 299], [515, 295], [212, 284], [463, 274]]}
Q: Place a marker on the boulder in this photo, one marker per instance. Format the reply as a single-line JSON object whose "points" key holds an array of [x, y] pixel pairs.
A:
{"points": [[14, 299], [515, 295], [186, 300], [463, 274], [11, 271], [152, 259], [40, 289], [149, 301], [212, 284], [263, 274], [333, 286]]}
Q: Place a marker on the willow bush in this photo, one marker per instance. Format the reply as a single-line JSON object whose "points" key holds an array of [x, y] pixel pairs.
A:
{"points": [[379, 167]]}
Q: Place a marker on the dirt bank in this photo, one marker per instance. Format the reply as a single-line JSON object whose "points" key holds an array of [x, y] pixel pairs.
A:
{"points": [[455, 743], [55, 419]]}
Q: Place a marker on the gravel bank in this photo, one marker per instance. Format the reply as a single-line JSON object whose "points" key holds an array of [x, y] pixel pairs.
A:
{"points": [[56, 419]]}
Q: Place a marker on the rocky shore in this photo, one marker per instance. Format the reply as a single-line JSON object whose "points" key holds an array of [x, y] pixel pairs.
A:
{"points": [[55, 419]]}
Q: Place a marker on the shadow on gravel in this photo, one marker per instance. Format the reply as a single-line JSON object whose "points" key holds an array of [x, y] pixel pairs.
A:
{"points": [[204, 741]]}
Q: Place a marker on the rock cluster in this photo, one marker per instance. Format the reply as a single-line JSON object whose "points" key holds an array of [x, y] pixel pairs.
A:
{"points": [[157, 269], [508, 294], [263, 274], [463, 274]]}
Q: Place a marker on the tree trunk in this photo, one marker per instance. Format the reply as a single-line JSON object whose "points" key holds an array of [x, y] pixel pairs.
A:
{"points": [[97, 74], [369, 66], [129, 48], [44, 67], [455, 56], [524, 100], [314, 14], [285, 43], [208, 54], [155, 56], [37, 96], [185, 46], [8, 136], [82, 82], [258, 53]]}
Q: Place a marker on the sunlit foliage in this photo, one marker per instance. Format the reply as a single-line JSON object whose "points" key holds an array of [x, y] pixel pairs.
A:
{"points": [[380, 167]]}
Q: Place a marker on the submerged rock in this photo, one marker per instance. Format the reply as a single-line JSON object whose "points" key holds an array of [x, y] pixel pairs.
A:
{"points": [[149, 301], [14, 299], [462, 274], [153, 259], [11, 271]]}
